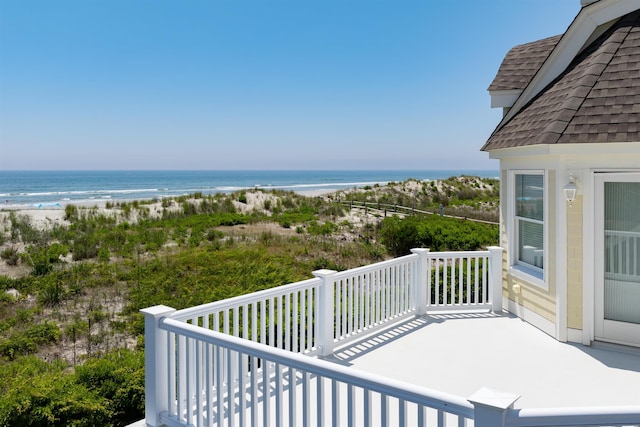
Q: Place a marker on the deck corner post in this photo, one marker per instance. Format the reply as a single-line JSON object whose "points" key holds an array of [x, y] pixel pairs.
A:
{"points": [[325, 319], [421, 284], [156, 362], [495, 278], [491, 407]]}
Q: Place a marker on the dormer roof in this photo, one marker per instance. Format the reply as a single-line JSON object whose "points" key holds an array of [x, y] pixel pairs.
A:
{"points": [[594, 98], [521, 63]]}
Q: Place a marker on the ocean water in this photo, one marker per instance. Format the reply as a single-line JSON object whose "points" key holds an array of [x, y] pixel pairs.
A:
{"points": [[34, 188]]}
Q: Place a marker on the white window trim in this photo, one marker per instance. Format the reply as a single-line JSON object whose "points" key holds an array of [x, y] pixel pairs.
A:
{"points": [[525, 272]]}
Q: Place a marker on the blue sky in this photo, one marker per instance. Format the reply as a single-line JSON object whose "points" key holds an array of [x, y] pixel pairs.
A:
{"points": [[269, 84]]}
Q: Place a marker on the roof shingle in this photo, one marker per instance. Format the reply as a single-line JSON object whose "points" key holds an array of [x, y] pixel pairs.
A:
{"points": [[521, 63], [596, 99]]}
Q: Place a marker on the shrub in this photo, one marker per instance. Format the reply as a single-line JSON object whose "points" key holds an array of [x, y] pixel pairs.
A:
{"points": [[70, 212], [26, 342], [118, 378], [435, 232], [36, 393], [84, 247], [10, 255]]}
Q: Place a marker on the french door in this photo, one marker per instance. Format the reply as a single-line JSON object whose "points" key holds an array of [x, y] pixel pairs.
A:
{"points": [[617, 249]]}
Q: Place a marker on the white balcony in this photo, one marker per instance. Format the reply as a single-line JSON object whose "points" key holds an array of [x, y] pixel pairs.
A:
{"points": [[418, 340]]}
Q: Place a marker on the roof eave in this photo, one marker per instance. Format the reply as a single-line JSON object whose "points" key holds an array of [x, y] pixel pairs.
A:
{"points": [[597, 149]]}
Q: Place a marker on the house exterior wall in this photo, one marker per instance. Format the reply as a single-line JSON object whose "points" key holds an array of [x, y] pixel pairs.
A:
{"points": [[565, 306]]}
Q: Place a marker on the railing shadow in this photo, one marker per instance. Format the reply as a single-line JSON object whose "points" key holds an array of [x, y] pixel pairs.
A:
{"points": [[613, 355], [345, 354]]}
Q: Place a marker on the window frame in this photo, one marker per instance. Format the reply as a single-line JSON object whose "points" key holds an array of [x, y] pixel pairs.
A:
{"points": [[518, 268]]}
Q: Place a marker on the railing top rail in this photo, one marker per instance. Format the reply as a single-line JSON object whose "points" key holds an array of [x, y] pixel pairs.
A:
{"points": [[473, 254], [410, 392], [587, 416], [622, 233], [199, 310], [376, 266]]}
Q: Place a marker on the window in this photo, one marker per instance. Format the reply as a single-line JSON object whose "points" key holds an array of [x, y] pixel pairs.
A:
{"points": [[529, 220]]}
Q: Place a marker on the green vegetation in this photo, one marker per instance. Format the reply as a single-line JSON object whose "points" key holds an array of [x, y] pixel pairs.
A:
{"points": [[463, 196], [69, 313], [435, 232]]}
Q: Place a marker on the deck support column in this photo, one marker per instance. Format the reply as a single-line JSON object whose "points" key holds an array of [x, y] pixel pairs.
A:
{"points": [[156, 362], [491, 407], [420, 282], [325, 319], [495, 278]]}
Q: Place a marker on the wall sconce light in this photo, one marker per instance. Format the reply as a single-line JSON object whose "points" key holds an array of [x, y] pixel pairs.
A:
{"points": [[570, 190]]}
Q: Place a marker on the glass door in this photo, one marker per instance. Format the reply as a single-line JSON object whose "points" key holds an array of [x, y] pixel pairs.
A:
{"points": [[618, 258]]}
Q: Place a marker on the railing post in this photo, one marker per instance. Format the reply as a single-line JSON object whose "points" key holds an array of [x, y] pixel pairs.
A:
{"points": [[421, 283], [491, 406], [155, 364], [495, 278], [325, 320]]}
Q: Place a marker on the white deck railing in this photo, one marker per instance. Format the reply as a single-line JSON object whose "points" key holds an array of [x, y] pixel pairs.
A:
{"points": [[244, 361], [622, 255]]}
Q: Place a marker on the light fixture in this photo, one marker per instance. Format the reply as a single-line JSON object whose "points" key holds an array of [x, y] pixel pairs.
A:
{"points": [[570, 190]]}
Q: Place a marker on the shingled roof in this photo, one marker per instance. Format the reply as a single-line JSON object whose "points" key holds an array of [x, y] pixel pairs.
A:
{"points": [[521, 63], [596, 99]]}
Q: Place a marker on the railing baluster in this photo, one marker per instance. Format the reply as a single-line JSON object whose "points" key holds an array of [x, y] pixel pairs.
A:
{"points": [[351, 410], [173, 377], [367, 412], [253, 390], [387, 294], [445, 279], [437, 279], [286, 322], [295, 313], [293, 401], [255, 327], [470, 261], [320, 401], [198, 397], [278, 393], [306, 400], [343, 303], [271, 323], [189, 381], [242, 388], [231, 357], [352, 305], [309, 320], [476, 281], [182, 374], [402, 413], [384, 410], [335, 403], [219, 367], [304, 312], [266, 394], [422, 418], [379, 297], [209, 382], [279, 322], [263, 322]]}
